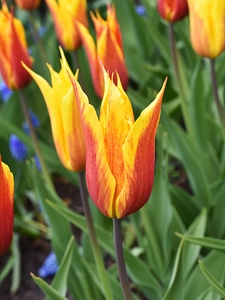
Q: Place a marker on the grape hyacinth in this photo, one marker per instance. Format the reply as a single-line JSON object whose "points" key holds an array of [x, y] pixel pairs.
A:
{"points": [[17, 148], [49, 267]]}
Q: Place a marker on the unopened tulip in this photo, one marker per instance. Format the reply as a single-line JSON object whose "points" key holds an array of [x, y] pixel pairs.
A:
{"points": [[64, 115], [65, 14], [6, 207], [207, 27], [172, 10], [13, 50], [108, 49], [120, 153], [28, 4]]}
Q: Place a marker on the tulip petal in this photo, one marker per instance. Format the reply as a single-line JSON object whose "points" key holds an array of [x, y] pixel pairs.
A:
{"points": [[13, 50], [108, 47], [139, 159], [207, 27], [90, 49], [73, 131], [97, 167], [116, 119], [6, 207], [65, 14], [52, 100]]}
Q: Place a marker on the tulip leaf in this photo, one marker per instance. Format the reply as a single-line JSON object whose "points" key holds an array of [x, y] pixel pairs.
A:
{"points": [[137, 269], [47, 289], [184, 203], [207, 242], [191, 252], [16, 270], [7, 268], [192, 163], [114, 283], [214, 262], [59, 282], [156, 221], [220, 289], [208, 294], [175, 288]]}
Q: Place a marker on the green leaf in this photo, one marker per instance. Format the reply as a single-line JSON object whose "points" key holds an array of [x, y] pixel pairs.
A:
{"points": [[184, 203], [59, 282], [16, 270], [191, 252], [212, 243], [192, 163], [156, 215], [220, 289], [137, 269], [196, 284], [208, 294], [175, 288], [47, 289]]}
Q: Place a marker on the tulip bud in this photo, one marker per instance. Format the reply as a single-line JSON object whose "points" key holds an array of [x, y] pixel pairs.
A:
{"points": [[174, 10], [6, 207]]}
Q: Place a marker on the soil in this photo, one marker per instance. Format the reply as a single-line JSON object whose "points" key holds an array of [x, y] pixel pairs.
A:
{"points": [[34, 251]]}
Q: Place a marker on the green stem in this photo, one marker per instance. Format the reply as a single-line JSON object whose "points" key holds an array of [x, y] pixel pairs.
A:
{"points": [[127, 295], [93, 237], [219, 106], [38, 41], [184, 104], [34, 138]]}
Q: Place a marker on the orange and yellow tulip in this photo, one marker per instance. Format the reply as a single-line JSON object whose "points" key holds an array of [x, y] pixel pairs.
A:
{"points": [[172, 10], [120, 152], [6, 207], [28, 4], [13, 50], [65, 13], [64, 115], [207, 27], [109, 49]]}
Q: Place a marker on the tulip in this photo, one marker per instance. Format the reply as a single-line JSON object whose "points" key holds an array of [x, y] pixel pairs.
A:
{"points": [[172, 10], [120, 152], [6, 207], [13, 50], [64, 115], [108, 49], [207, 27], [28, 4], [65, 13]]}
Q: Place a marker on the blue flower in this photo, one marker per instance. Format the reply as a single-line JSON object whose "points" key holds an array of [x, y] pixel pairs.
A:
{"points": [[34, 120], [17, 148], [5, 92], [49, 267], [140, 10]]}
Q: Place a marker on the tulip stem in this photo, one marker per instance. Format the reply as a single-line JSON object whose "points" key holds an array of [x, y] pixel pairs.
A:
{"points": [[219, 106], [93, 238], [38, 41], [184, 104], [34, 138], [127, 295]]}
